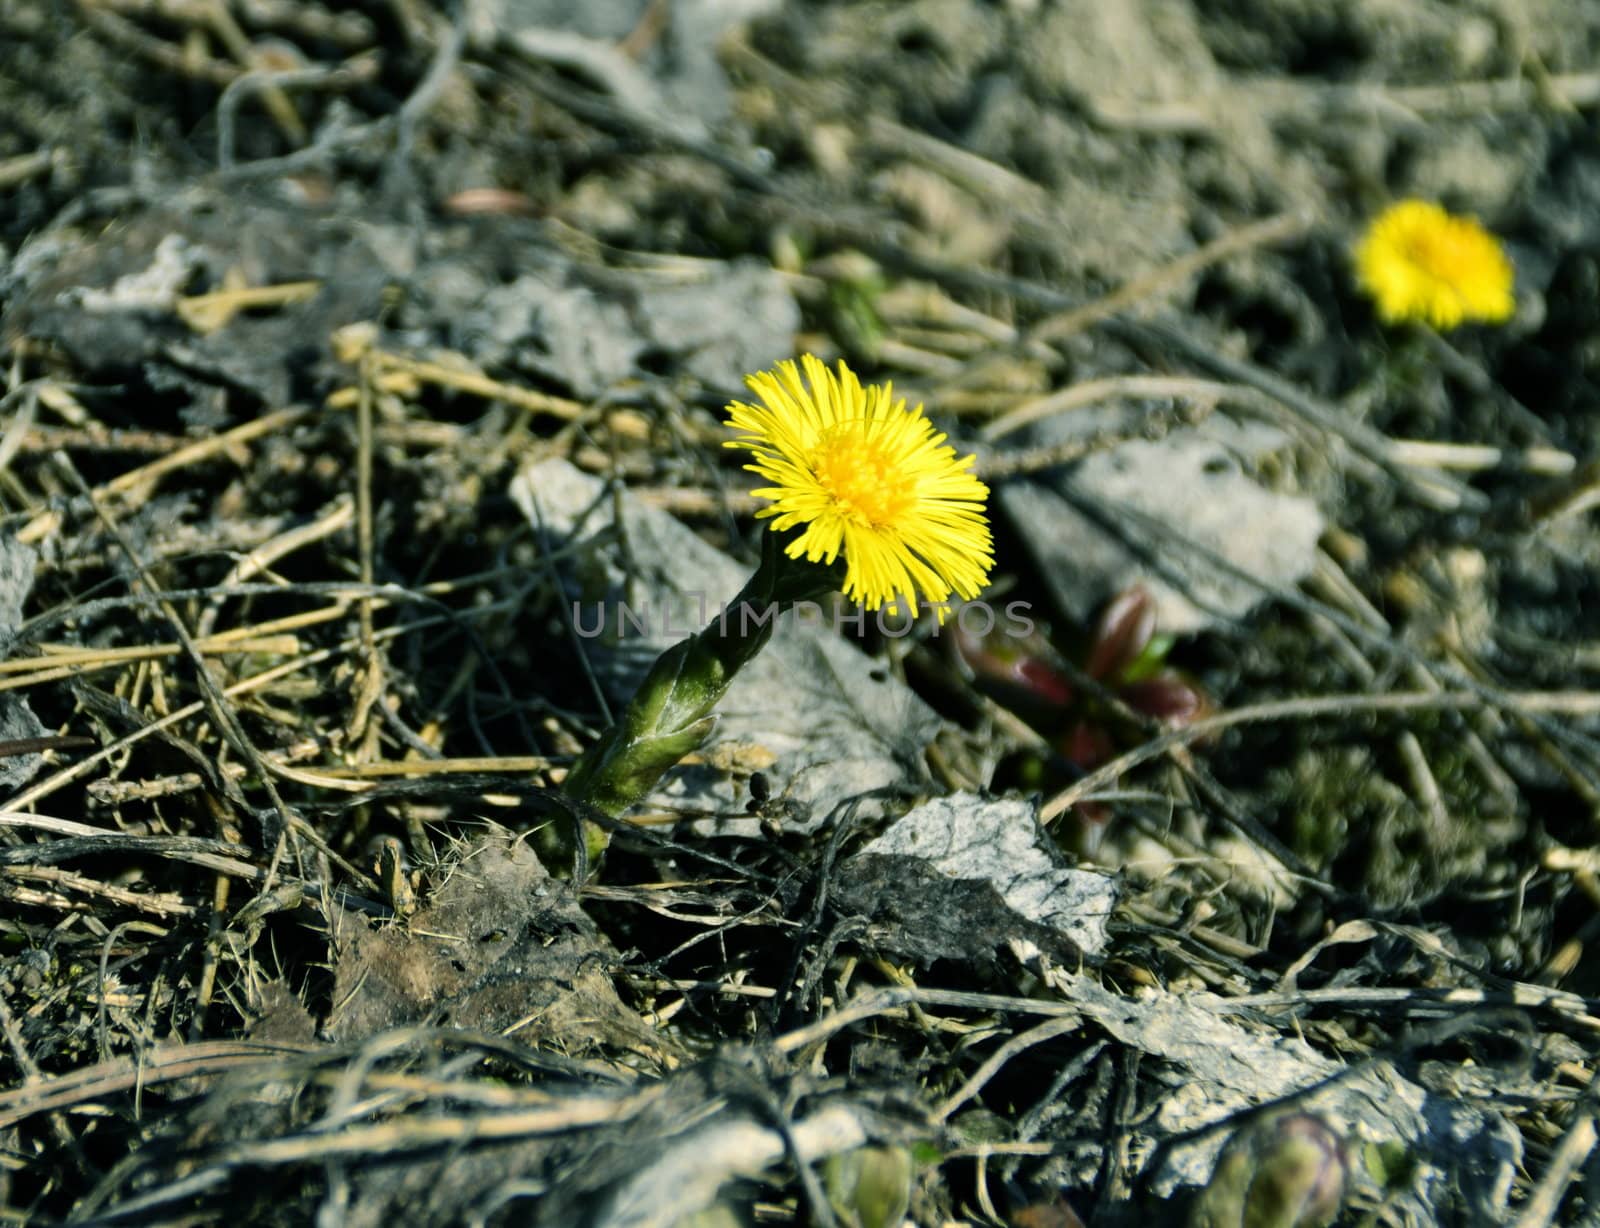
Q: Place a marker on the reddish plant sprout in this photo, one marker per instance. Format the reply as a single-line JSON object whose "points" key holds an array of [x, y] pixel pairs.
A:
{"points": [[1124, 630], [1125, 655], [1021, 671]]}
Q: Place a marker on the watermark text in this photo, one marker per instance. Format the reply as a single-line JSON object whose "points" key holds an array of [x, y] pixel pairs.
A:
{"points": [[621, 619]]}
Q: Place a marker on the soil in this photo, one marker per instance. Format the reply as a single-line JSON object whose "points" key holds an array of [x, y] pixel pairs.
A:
{"points": [[347, 347]]}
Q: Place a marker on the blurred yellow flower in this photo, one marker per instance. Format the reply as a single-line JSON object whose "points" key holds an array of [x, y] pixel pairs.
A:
{"points": [[867, 477], [1420, 263]]}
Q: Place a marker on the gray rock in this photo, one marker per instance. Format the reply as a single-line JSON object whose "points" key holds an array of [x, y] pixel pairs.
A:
{"points": [[738, 318], [1155, 513]]}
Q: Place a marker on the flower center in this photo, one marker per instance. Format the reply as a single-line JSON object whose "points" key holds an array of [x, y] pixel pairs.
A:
{"points": [[1436, 251], [861, 476]]}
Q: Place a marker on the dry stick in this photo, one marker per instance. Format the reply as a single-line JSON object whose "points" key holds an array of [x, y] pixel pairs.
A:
{"points": [[244, 686], [161, 1065], [1344, 592], [652, 24], [533, 48], [317, 780], [419, 1133], [1533, 708], [239, 47], [1571, 1007], [221, 889], [994, 184], [160, 904], [1405, 105], [692, 501], [10, 748], [97, 438], [268, 80], [23, 167], [508, 764], [1217, 940], [73, 663], [959, 343], [1582, 785], [1116, 1179], [1474, 97], [97, 15], [1477, 457], [1052, 456], [1283, 709], [446, 57], [257, 637], [332, 139], [48, 522], [1410, 748], [66, 775], [1424, 783], [1246, 824], [206, 313], [1438, 491], [1581, 864], [884, 1001], [471, 382], [370, 687], [227, 725], [914, 302], [103, 1032], [1475, 376], [1170, 277], [1131, 387], [81, 838], [426, 594], [364, 494], [337, 517], [1158, 283], [289, 889], [22, 423], [992, 1066], [1570, 1154], [1435, 491], [351, 31], [213, 702]]}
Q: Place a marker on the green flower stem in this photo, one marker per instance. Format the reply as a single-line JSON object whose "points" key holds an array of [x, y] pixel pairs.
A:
{"points": [[670, 714]]}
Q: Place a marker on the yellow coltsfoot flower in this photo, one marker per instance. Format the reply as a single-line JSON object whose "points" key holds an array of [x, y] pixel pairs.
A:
{"points": [[868, 478], [1420, 263], [880, 499]]}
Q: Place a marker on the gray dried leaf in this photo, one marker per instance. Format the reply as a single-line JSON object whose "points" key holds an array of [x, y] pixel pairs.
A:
{"points": [[736, 318], [1465, 1159], [561, 331], [109, 298], [1096, 528], [719, 324], [17, 563], [965, 839]]}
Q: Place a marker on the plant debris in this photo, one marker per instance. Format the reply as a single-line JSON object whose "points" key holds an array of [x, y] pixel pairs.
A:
{"points": [[1232, 859]]}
